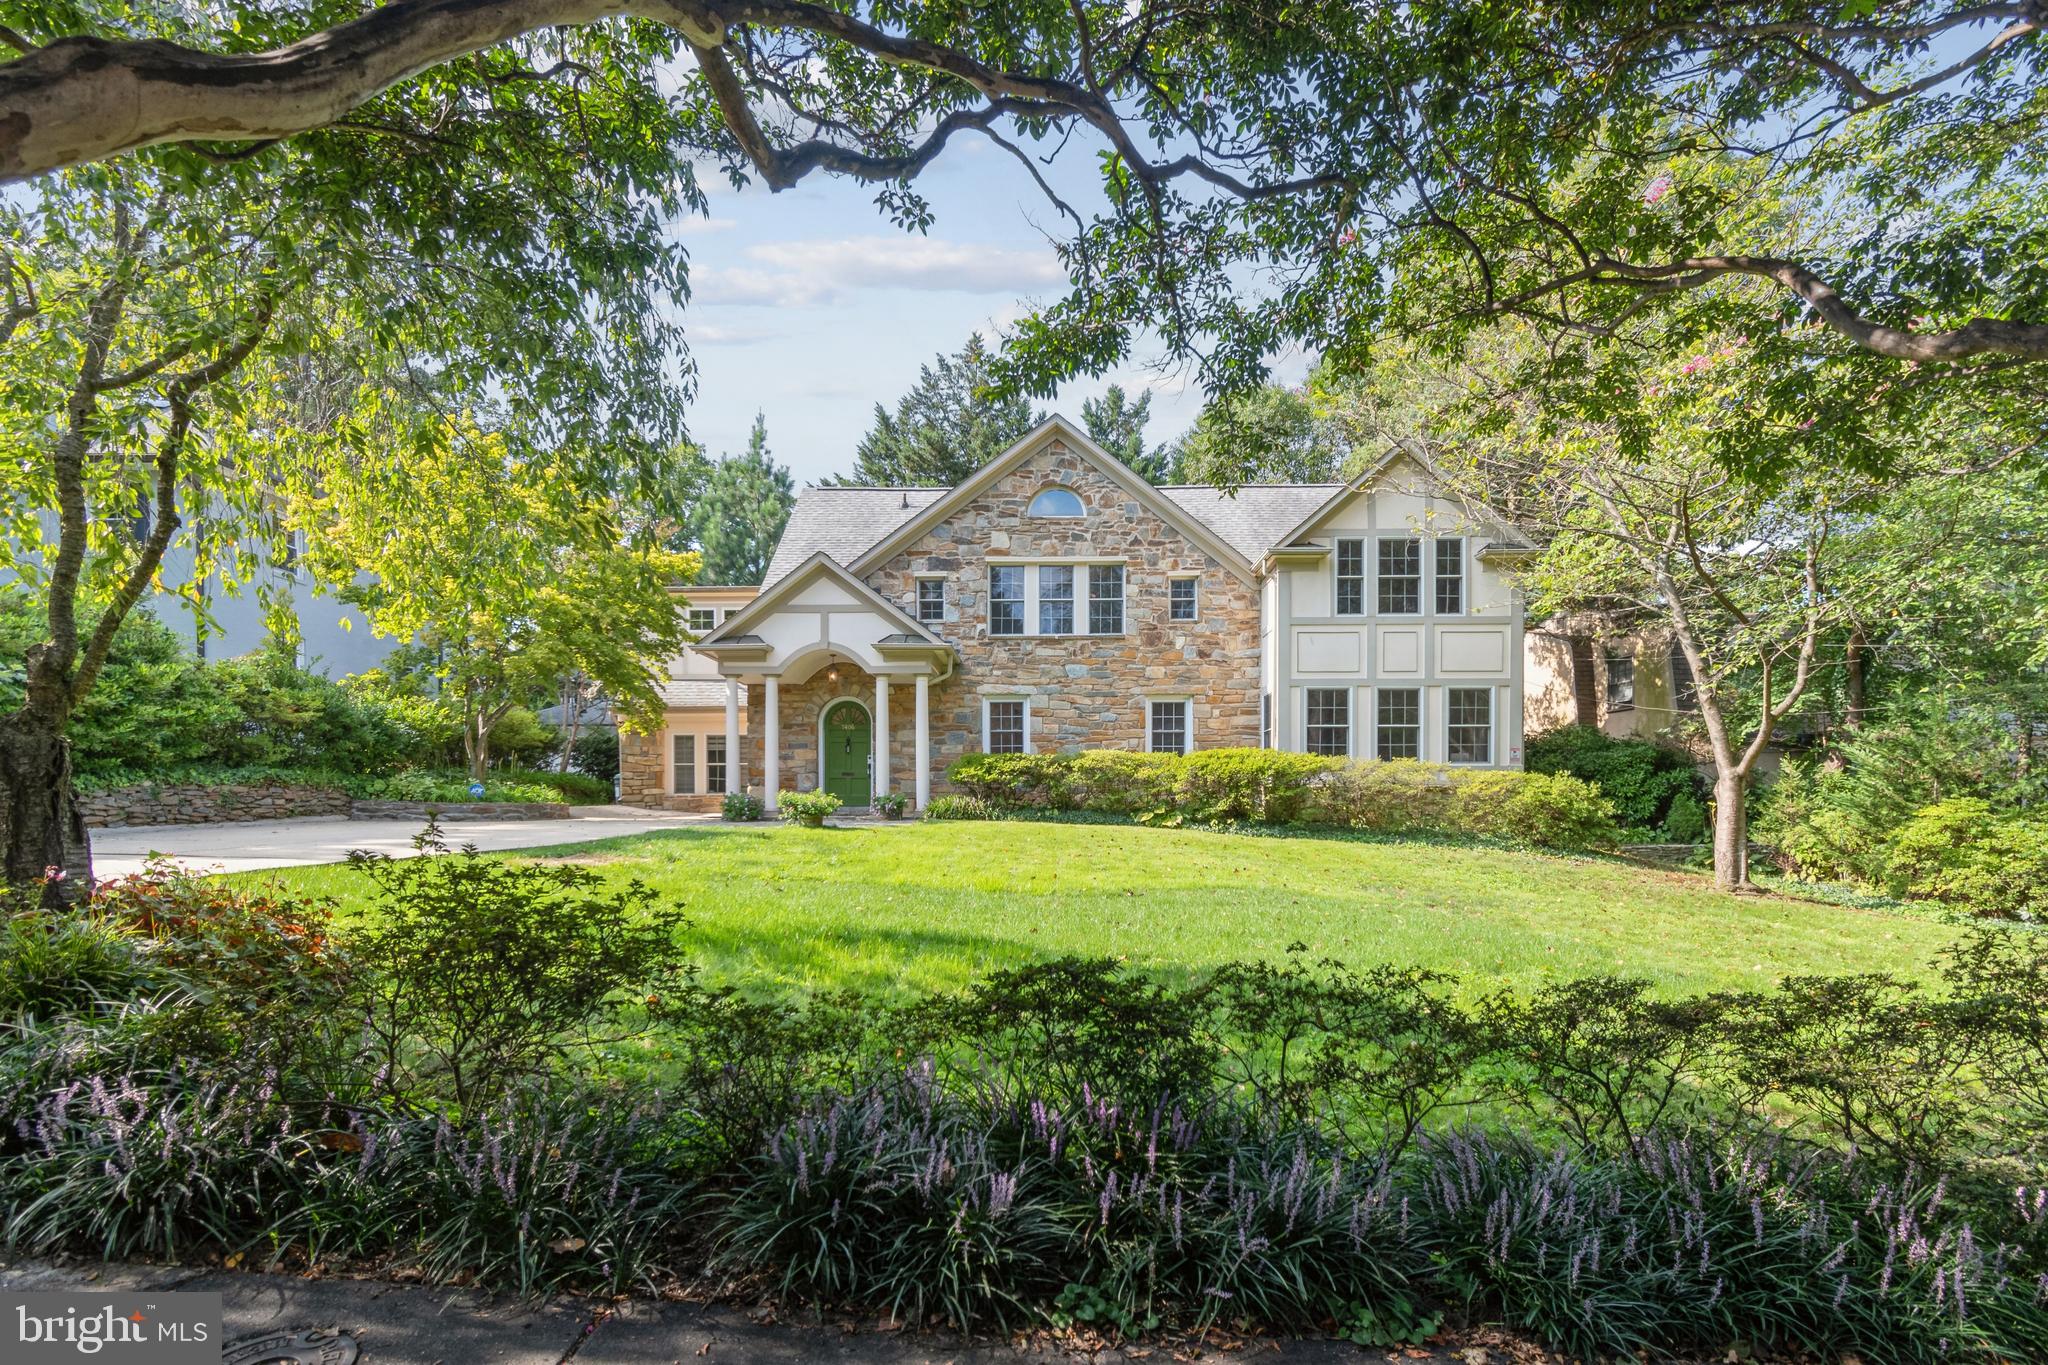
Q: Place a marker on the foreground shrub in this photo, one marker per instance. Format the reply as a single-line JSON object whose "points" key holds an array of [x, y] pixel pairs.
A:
{"points": [[55, 962], [1041, 780], [742, 806], [1116, 782], [806, 808], [1264, 786], [1652, 788], [1967, 853], [1550, 810], [477, 971]]}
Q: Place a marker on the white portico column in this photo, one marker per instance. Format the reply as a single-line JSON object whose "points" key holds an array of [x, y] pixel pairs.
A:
{"points": [[924, 742], [881, 734], [771, 742], [735, 762]]}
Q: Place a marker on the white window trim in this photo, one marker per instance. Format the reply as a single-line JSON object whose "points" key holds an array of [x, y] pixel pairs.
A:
{"points": [[1423, 586], [1031, 507], [1492, 728], [917, 582], [1350, 716], [711, 612], [1464, 577], [1172, 579], [1080, 566], [1023, 697], [1187, 712], [1365, 567], [696, 763], [1421, 726]]}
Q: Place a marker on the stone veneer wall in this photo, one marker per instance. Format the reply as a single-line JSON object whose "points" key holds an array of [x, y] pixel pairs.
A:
{"points": [[1087, 692], [643, 769], [183, 804]]}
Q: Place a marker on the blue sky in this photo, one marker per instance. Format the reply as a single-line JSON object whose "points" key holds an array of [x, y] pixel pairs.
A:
{"points": [[811, 307]]}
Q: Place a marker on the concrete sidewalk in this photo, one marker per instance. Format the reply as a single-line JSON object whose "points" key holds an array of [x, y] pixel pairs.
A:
{"points": [[287, 1320], [258, 845]]}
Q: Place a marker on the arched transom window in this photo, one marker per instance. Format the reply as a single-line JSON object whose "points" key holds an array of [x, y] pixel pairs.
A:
{"points": [[1057, 502]]}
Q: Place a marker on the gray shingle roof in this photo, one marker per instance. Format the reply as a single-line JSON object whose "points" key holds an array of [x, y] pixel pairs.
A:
{"points": [[677, 692], [1252, 520], [843, 522]]}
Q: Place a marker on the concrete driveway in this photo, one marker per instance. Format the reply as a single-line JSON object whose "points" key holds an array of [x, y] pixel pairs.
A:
{"points": [[255, 846]]}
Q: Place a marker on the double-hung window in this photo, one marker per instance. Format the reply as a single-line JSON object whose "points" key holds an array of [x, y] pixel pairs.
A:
{"points": [[1398, 733], [1006, 726], [1621, 682], [702, 619], [1400, 575], [1450, 576], [1468, 717], [1105, 599], [931, 600], [684, 768], [1167, 730], [1006, 599], [1350, 576], [1180, 599], [1329, 721], [1055, 599], [714, 764]]}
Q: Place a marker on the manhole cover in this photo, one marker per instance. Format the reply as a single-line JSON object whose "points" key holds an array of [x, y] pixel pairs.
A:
{"points": [[291, 1348]]}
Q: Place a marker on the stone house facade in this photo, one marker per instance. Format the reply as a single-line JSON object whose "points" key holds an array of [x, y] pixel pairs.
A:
{"points": [[1057, 601]]}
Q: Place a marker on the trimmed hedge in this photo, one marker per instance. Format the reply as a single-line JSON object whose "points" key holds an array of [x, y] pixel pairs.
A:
{"points": [[1269, 787], [1653, 789]]}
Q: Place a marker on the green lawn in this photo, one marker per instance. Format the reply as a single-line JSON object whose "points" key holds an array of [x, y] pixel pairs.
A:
{"points": [[913, 906]]}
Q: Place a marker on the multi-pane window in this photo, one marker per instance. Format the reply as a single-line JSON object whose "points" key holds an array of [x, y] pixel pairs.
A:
{"points": [[1055, 599], [1398, 733], [1400, 575], [1329, 721], [1006, 721], [1350, 577], [1621, 682], [1180, 599], [931, 600], [684, 769], [714, 763], [1450, 576], [1105, 599], [1685, 689], [1006, 599], [1266, 721], [702, 619], [1168, 728], [1468, 717]]}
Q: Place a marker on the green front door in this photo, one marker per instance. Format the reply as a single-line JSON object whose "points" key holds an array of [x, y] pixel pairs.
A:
{"points": [[848, 743]]}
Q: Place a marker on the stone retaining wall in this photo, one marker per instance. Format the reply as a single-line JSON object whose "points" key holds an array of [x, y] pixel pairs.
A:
{"points": [[460, 810], [192, 804]]}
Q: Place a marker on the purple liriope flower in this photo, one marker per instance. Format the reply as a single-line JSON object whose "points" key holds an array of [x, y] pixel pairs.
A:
{"points": [[1756, 1218]]}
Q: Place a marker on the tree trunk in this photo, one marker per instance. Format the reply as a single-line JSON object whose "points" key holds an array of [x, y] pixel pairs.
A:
{"points": [[1856, 681], [40, 824], [1731, 833]]}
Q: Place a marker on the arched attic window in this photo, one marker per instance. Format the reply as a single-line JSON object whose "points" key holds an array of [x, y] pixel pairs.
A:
{"points": [[1057, 502]]}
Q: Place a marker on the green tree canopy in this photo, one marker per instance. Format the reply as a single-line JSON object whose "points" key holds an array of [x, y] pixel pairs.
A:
{"points": [[741, 512], [951, 423], [1271, 434], [503, 569]]}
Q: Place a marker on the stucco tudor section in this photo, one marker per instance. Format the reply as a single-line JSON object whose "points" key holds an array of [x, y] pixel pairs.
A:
{"points": [[1086, 692]]}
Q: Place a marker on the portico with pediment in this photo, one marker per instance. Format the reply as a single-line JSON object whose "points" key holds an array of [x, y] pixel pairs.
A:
{"points": [[836, 681]]}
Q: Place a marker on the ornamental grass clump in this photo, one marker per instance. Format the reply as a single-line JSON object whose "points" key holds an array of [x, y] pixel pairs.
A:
{"points": [[545, 1191], [982, 1206]]}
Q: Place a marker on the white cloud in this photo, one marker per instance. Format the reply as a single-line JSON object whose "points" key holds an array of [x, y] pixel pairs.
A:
{"points": [[717, 334], [802, 273], [696, 224]]}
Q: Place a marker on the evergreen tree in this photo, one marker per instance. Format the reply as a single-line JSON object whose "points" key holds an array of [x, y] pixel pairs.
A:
{"points": [[949, 425], [1270, 434], [740, 516], [1118, 426]]}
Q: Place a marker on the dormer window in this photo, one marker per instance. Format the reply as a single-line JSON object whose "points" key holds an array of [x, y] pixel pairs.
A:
{"points": [[1057, 502]]}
